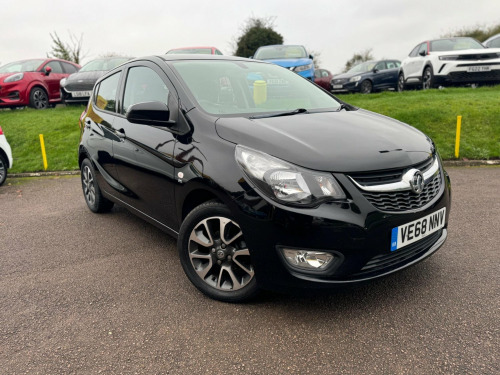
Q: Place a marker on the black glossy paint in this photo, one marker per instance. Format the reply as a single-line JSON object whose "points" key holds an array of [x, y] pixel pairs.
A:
{"points": [[160, 173]]}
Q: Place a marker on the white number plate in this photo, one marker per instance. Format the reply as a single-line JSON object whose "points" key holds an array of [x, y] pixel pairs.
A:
{"points": [[80, 94], [418, 229], [337, 86], [480, 68]]}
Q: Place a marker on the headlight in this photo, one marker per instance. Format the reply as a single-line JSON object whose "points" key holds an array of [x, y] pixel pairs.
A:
{"points": [[355, 79], [454, 57], [302, 68], [62, 83], [285, 182], [14, 78]]}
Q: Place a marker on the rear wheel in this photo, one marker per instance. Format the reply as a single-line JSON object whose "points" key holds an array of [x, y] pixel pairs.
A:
{"points": [[39, 98], [427, 78], [91, 191], [366, 87], [3, 169], [214, 254]]}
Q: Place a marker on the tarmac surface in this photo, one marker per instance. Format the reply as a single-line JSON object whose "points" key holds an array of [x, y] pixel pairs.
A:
{"points": [[82, 293]]}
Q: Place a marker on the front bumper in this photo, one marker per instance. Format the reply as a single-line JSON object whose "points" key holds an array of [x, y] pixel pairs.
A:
{"points": [[345, 87], [354, 231], [13, 94]]}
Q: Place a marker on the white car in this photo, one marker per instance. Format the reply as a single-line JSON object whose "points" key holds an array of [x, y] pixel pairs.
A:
{"points": [[493, 42], [451, 61], [5, 157]]}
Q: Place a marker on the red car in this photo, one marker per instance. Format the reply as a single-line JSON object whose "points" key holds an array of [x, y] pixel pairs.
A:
{"points": [[322, 77], [195, 50], [34, 82]]}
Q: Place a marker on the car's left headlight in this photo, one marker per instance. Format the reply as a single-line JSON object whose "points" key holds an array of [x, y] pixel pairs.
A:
{"points": [[285, 182], [302, 68], [14, 78], [355, 79]]}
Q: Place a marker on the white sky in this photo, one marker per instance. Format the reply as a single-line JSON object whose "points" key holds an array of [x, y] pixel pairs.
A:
{"points": [[334, 28]]}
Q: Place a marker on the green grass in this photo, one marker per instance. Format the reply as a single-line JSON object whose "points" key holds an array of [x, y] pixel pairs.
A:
{"points": [[434, 112], [61, 134]]}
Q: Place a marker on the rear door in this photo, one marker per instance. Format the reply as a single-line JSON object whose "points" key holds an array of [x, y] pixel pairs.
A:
{"points": [[144, 154]]}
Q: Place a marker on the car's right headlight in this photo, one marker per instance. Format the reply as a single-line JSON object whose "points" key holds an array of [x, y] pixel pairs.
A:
{"points": [[62, 83], [285, 182], [14, 78]]}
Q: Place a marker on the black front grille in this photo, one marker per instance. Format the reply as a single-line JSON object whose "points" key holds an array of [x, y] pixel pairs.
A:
{"points": [[397, 201], [463, 77], [478, 56], [388, 261], [388, 176], [79, 86]]}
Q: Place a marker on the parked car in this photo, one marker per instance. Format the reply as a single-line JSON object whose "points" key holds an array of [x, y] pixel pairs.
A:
{"points": [[493, 42], [291, 57], [450, 61], [266, 180], [322, 78], [367, 77], [194, 51], [34, 82], [5, 157], [78, 86]]}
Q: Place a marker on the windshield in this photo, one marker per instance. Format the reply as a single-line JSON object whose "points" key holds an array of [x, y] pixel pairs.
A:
{"points": [[103, 64], [455, 44], [236, 87], [363, 67], [190, 51], [280, 52], [22, 66]]}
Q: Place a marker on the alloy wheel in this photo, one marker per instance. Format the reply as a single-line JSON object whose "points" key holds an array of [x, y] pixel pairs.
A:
{"points": [[88, 185], [40, 100]]}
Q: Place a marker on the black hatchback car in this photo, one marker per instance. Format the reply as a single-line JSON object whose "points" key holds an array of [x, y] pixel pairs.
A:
{"points": [[368, 77], [265, 180]]}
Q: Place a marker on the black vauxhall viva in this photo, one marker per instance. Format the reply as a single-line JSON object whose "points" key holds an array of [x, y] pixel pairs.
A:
{"points": [[266, 180]]}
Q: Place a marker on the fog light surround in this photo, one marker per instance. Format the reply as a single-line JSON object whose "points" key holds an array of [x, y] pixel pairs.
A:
{"points": [[307, 259]]}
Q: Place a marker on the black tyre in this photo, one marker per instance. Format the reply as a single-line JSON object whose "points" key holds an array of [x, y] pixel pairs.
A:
{"points": [[401, 83], [366, 87], [214, 255], [427, 79], [39, 98], [93, 196], [3, 169]]}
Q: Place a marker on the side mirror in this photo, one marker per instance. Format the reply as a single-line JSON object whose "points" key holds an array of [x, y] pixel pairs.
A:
{"points": [[48, 70], [311, 57], [250, 57], [375, 70], [150, 113], [422, 53]]}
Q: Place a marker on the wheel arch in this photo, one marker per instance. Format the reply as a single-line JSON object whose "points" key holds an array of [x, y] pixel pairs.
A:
{"points": [[4, 155]]}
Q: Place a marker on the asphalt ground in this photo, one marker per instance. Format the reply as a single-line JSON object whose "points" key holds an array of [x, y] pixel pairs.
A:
{"points": [[82, 293]]}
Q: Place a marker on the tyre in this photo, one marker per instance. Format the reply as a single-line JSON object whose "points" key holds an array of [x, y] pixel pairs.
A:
{"points": [[214, 255], [91, 191], [366, 87], [3, 169], [401, 83], [427, 79], [39, 98]]}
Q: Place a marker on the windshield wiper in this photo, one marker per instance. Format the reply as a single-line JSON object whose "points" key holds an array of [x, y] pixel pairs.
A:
{"points": [[289, 113]]}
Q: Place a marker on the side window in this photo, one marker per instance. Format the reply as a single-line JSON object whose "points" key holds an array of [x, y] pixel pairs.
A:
{"points": [[106, 93], [68, 68], [325, 73], [317, 73], [495, 43], [414, 52], [380, 65], [143, 85], [423, 48], [55, 66], [217, 52]]}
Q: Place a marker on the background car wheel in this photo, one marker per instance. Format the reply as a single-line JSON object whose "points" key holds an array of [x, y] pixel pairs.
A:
{"points": [[39, 98], [93, 196], [3, 169], [427, 78], [214, 254], [366, 87], [401, 83]]}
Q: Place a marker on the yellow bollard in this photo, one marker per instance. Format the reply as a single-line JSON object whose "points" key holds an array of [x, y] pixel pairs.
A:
{"points": [[457, 139], [44, 155], [259, 92]]}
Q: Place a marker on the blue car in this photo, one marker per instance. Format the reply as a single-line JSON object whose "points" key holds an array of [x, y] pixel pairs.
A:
{"points": [[367, 77], [291, 57]]}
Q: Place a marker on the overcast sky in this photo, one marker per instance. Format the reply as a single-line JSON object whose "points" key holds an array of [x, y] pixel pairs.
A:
{"points": [[336, 29]]}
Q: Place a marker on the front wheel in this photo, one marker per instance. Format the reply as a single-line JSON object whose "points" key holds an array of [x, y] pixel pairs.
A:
{"points": [[39, 98], [427, 79], [3, 169], [401, 83], [366, 87], [214, 254]]}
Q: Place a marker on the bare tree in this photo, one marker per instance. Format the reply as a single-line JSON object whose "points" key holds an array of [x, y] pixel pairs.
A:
{"points": [[358, 58], [67, 51], [479, 32]]}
